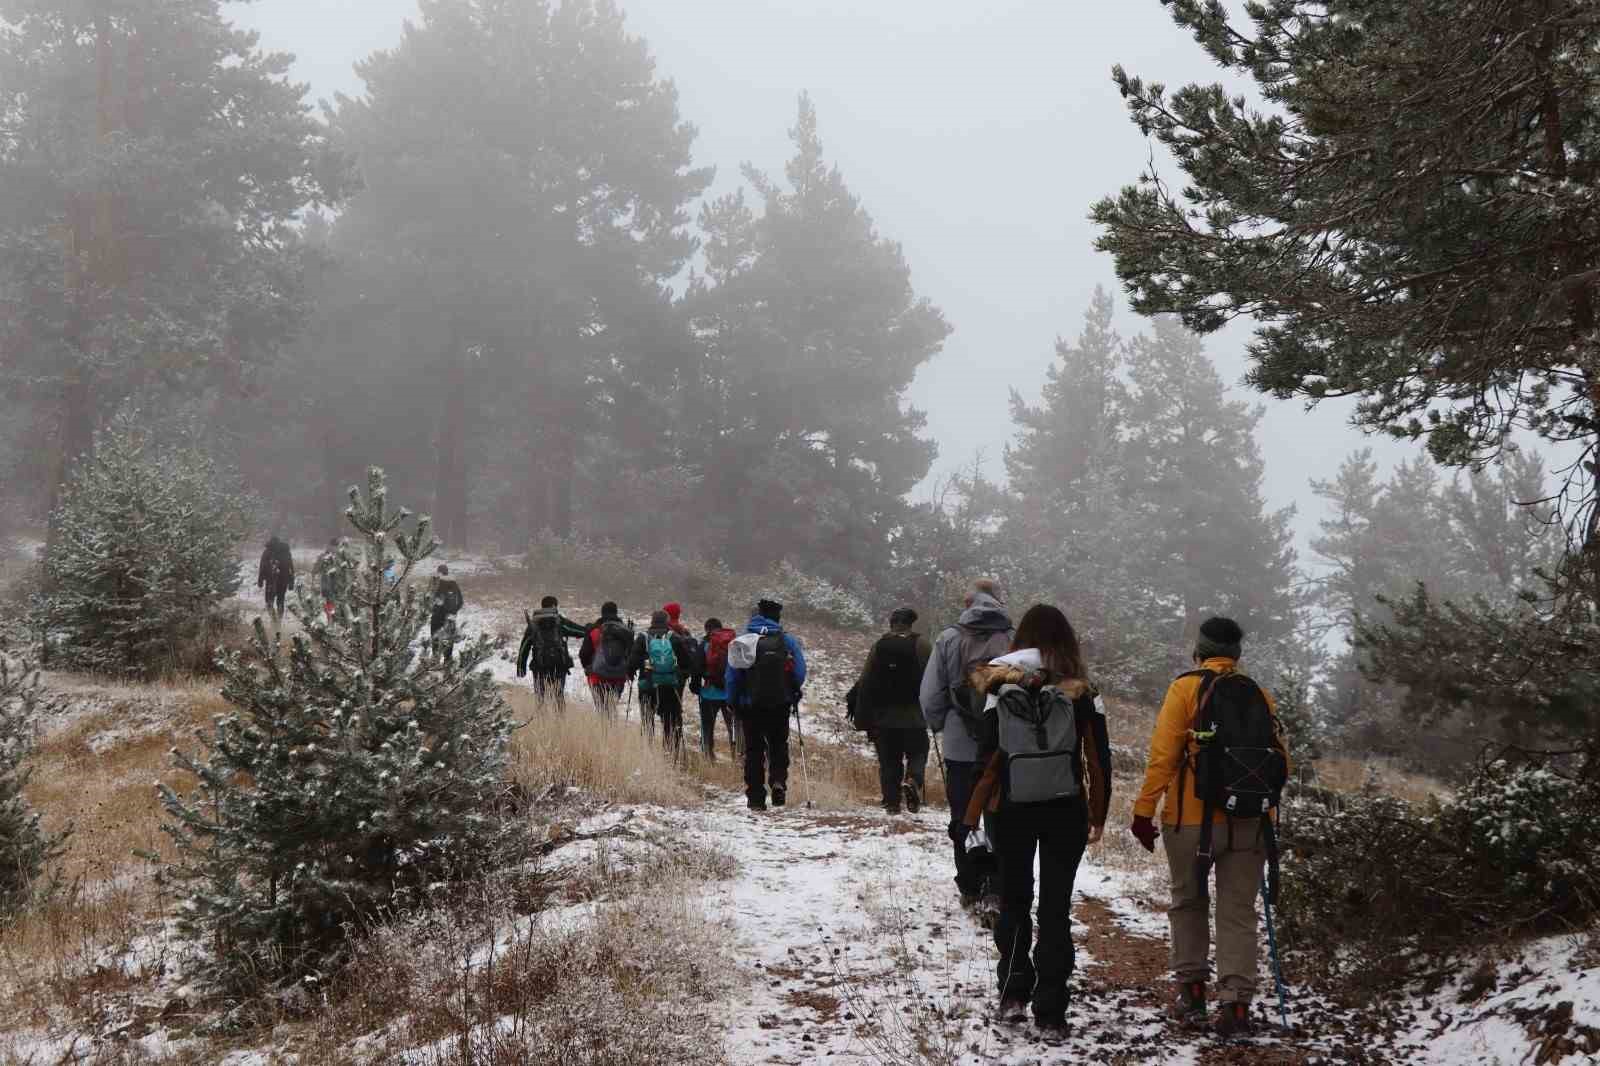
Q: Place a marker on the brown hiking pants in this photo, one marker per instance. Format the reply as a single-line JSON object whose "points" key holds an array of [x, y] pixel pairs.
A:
{"points": [[1239, 858]]}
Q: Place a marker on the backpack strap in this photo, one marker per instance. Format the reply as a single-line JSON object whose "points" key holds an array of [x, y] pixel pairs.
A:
{"points": [[1203, 696]]}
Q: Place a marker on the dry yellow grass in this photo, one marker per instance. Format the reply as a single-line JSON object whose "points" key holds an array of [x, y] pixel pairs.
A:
{"points": [[1353, 775]]}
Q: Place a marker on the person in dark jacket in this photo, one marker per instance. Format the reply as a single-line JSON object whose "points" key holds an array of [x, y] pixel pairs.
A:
{"points": [[544, 650], [663, 659], [332, 581], [982, 633], [276, 575], [1045, 654], [604, 656], [763, 697], [887, 707], [447, 601]]}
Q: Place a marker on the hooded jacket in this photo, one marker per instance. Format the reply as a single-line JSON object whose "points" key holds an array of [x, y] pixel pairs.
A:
{"points": [[1171, 749], [737, 697], [1094, 742], [985, 620], [277, 552]]}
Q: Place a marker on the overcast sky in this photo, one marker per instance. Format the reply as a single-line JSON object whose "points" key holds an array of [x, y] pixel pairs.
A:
{"points": [[976, 133]]}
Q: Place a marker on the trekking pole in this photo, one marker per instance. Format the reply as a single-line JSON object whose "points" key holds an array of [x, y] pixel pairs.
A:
{"points": [[805, 769], [1272, 951]]}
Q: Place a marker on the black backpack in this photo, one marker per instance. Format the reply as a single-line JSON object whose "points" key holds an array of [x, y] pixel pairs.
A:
{"points": [[1240, 766], [768, 677], [612, 651], [896, 678], [549, 647]]}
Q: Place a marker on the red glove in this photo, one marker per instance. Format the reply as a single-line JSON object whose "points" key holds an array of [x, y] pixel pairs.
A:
{"points": [[1145, 831]]}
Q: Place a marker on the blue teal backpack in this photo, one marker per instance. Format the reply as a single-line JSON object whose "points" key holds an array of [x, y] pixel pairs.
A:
{"points": [[663, 661]]}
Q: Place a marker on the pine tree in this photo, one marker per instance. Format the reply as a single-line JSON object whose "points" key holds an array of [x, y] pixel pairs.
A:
{"points": [[813, 335], [26, 850], [1452, 281], [357, 770], [145, 547]]}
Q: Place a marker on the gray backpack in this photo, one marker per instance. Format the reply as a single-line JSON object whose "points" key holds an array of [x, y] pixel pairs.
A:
{"points": [[1038, 735]]}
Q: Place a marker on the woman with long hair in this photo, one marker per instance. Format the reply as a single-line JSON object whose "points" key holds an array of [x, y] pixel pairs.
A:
{"points": [[1047, 800]]}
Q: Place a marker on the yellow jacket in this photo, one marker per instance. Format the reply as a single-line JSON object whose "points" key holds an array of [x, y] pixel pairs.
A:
{"points": [[1171, 745]]}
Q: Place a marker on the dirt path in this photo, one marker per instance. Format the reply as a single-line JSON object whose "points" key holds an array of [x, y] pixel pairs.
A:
{"points": [[854, 949]]}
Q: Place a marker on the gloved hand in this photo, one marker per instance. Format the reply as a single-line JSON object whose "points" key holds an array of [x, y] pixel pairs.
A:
{"points": [[1145, 831]]}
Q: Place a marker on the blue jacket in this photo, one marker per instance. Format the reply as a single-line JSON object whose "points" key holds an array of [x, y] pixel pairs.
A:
{"points": [[763, 625]]}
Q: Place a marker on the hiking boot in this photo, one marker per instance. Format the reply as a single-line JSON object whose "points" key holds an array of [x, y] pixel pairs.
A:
{"points": [[892, 808], [1188, 1007], [1052, 1023], [1233, 1019], [911, 796], [969, 900], [780, 793], [756, 803]]}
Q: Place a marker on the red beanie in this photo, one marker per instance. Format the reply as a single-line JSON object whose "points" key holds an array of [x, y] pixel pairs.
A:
{"points": [[673, 610]]}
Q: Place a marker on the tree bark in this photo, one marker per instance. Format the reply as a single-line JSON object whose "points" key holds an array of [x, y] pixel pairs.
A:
{"points": [[450, 477]]}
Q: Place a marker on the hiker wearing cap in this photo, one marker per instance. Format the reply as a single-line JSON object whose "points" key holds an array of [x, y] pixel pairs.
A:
{"points": [[886, 705], [953, 709], [766, 672], [709, 687], [1196, 772], [604, 655], [447, 600], [663, 660], [1046, 759]]}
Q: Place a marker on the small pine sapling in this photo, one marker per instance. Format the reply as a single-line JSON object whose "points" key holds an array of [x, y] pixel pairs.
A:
{"points": [[357, 771], [26, 850]]}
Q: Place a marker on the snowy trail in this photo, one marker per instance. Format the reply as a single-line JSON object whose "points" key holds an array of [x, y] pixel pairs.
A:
{"points": [[853, 948]]}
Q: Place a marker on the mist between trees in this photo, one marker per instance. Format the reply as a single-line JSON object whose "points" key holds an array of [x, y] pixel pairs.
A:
{"points": [[495, 274]]}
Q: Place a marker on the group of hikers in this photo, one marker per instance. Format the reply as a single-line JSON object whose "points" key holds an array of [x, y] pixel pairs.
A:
{"points": [[1025, 760], [751, 682]]}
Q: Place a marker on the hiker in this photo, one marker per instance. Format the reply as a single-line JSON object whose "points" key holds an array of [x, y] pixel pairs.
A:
{"points": [[1046, 776], [331, 578], [1198, 785], [276, 575], [675, 620], [709, 684], [447, 601], [887, 706], [663, 660], [763, 691], [604, 655], [544, 651], [982, 634]]}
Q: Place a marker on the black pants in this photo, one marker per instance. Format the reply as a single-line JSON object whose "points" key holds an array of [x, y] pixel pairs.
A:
{"points": [[441, 620], [902, 754], [668, 706], [1058, 832], [276, 594], [960, 778], [766, 750], [710, 710]]}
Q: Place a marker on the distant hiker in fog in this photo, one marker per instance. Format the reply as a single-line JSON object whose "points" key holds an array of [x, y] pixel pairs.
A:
{"points": [[604, 655], [950, 707], [663, 660], [674, 613], [1198, 785], [709, 687], [1046, 780], [887, 706], [276, 575], [544, 653], [766, 673], [447, 601]]}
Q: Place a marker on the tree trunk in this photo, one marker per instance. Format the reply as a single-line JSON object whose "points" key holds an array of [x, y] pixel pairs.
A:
{"points": [[450, 479]]}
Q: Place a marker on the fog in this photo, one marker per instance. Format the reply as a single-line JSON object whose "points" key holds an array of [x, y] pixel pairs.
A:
{"points": [[976, 134]]}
